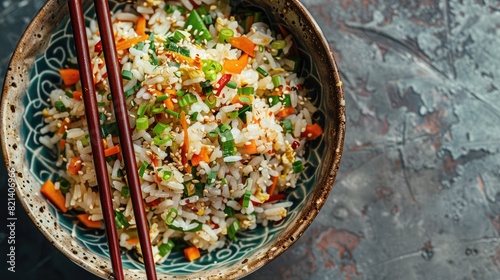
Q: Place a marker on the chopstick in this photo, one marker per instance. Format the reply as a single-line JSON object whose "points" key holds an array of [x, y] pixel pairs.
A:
{"points": [[121, 114], [91, 111]]}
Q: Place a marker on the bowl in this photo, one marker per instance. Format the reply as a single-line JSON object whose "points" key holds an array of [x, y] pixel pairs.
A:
{"points": [[32, 74]]}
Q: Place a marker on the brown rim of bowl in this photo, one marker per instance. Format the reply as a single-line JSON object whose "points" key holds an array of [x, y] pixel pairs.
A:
{"points": [[17, 81]]}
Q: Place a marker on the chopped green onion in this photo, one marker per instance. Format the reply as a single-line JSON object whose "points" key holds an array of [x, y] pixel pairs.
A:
{"points": [[167, 175], [232, 115], [159, 128], [227, 143], [158, 141], [262, 72], [242, 113], [261, 49], [211, 101], [182, 9], [109, 129], [287, 102], [127, 75], [246, 198], [208, 19], [177, 37], [194, 20], [157, 110], [120, 220], [246, 90], [211, 178], [211, 68], [143, 168], [276, 81], [164, 248], [125, 192], [64, 185], [185, 52], [171, 46], [229, 211], [173, 113], [233, 228], [232, 84], [287, 125], [141, 110], [109, 97], [202, 10], [85, 140], [225, 35], [69, 94], [195, 229], [206, 87], [60, 106], [162, 97], [187, 99], [101, 104], [297, 166], [129, 92], [278, 44], [171, 215], [273, 100], [194, 116], [154, 58], [180, 93], [168, 9], [142, 123]]}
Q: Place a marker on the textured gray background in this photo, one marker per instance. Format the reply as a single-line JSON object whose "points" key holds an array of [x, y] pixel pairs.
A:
{"points": [[418, 192]]}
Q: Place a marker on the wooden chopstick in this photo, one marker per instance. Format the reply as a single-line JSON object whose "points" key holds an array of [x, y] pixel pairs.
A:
{"points": [[92, 116], [121, 114]]}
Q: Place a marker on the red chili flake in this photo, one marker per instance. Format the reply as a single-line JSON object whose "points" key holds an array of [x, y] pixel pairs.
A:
{"points": [[98, 47], [295, 145]]}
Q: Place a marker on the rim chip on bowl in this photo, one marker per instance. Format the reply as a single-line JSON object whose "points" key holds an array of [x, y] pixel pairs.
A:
{"points": [[44, 48]]}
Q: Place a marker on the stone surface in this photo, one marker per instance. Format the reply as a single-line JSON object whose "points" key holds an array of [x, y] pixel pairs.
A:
{"points": [[418, 192]]}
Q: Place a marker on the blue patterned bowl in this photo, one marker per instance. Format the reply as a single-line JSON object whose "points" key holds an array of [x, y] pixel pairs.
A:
{"points": [[33, 73]]}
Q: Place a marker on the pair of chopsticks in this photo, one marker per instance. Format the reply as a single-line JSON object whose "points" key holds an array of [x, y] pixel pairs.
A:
{"points": [[121, 114]]}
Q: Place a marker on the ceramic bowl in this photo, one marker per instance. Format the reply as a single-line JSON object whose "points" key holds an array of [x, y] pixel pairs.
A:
{"points": [[32, 74]]}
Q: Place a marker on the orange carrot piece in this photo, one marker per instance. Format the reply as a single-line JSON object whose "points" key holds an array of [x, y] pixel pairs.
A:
{"points": [[285, 112], [244, 44], [140, 28], [69, 76], [125, 44], [272, 188], [85, 219], [251, 147], [202, 156], [74, 165], [62, 144], [63, 127], [236, 66], [312, 132], [192, 253], [112, 151], [242, 99], [55, 196], [132, 241], [77, 95]]}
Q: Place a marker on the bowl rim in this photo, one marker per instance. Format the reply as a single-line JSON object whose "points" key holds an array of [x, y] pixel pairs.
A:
{"points": [[283, 240]]}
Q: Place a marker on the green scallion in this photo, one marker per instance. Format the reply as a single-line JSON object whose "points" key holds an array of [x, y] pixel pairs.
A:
{"points": [[141, 110], [165, 248], [125, 192], [167, 175], [173, 113], [246, 90], [194, 20], [211, 101], [225, 35], [246, 199], [171, 215], [287, 125], [278, 44], [277, 81], [232, 84], [60, 106], [162, 97], [143, 168], [159, 128], [127, 75], [158, 141], [120, 220], [297, 166], [142, 123], [233, 228], [287, 101], [262, 72]]}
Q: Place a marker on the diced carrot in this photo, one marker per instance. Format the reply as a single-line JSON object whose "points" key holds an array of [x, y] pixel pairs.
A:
{"points": [[202, 156], [185, 145], [251, 147], [236, 66], [69, 76], [64, 126], [55, 196], [74, 165], [62, 144], [133, 241], [77, 95], [244, 44], [192, 253], [125, 44], [243, 99], [272, 188], [112, 151], [168, 103], [312, 132], [85, 219], [285, 112], [140, 28]]}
